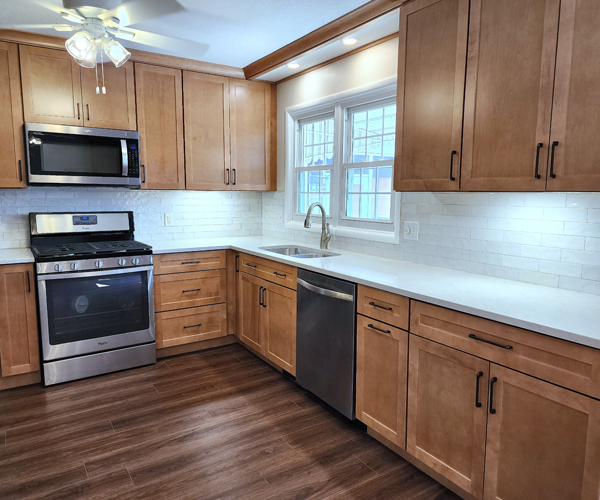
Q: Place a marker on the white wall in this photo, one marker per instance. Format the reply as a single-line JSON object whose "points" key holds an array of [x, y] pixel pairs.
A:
{"points": [[551, 239]]}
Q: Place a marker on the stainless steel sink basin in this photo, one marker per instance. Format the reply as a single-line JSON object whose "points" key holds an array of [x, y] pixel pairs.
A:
{"points": [[300, 252]]}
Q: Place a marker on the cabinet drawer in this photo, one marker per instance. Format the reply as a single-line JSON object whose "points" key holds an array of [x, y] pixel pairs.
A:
{"points": [[269, 270], [189, 261], [178, 291], [383, 306], [557, 361], [190, 325]]}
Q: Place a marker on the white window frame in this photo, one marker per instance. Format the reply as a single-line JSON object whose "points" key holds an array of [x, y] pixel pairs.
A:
{"points": [[338, 105]]}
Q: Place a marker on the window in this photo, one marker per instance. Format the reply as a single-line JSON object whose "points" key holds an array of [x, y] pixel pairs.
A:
{"points": [[341, 154]]}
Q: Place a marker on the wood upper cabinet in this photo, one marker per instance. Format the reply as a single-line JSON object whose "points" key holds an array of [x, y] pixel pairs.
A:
{"points": [[447, 412], [51, 86], [575, 117], [431, 79], [206, 105], [253, 109], [542, 441], [116, 108], [381, 378], [508, 98], [249, 299], [19, 351], [278, 325], [160, 123], [12, 153]]}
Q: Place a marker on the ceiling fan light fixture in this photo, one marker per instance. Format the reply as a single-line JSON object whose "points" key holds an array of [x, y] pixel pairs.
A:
{"points": [[70, 16], [87, 63], [115, 52], [81, 46], [349, 41]]}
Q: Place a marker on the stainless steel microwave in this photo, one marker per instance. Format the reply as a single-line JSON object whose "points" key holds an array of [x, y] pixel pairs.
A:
{"points": [[58, 154]]}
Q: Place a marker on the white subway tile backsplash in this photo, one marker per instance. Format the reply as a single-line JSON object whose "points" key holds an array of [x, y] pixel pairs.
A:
{"points": [[522, 238], [561, 268], [539, 278], [591, 273], [545, 199], [582, 229], [577, 257], [579, 285], [592, 244], [559, 241], [520, 263]]}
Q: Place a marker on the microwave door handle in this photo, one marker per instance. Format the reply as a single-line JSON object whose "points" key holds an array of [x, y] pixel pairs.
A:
{"points": [[125, 158]]}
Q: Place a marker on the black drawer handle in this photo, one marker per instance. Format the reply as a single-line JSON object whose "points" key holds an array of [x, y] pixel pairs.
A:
{"points": [[143, 174], [191, 262], [452, 178], [373, 327], [194, 290], [28, 283], [552, 174], [279, 274], [20, 172], [264, 300], [537, 160], [193, 326], [492, 382], [477, 402], [251, 265], [237, 259], [502, 346], [78, 114], [228, 177], [380, 307], [260, 290], [234, 177]]}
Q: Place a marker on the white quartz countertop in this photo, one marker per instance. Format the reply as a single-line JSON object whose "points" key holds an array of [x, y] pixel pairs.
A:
{"points": [[555, 312]]}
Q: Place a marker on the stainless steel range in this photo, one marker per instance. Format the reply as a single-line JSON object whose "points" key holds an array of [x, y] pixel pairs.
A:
{"points": [[95, 294]]}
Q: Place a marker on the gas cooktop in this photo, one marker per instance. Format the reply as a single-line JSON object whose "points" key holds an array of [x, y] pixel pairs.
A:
{"points": [[85, 249]]}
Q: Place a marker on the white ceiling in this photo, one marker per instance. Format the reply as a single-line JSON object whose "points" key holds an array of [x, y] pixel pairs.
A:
{"points": [[238, 31]]}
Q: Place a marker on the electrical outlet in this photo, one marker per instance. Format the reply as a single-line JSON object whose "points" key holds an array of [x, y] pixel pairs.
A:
{"points": [[411, 231], [168, 219]]}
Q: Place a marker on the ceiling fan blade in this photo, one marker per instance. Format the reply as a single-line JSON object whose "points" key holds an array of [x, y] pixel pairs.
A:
{"points": [[57, 27], [137, 11], [166, 42]]}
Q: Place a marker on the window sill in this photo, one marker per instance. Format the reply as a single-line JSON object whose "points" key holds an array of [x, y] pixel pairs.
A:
{"points": [[349, 232]]}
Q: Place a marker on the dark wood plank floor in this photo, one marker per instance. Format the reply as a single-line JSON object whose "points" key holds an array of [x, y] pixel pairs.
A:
{"points": [[216, 424]]}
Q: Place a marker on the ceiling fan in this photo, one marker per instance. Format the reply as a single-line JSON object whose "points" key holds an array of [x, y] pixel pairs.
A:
{"points": [[96, 20]]}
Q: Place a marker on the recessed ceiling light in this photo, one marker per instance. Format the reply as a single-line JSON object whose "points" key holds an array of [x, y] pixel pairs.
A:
{"points": [[349, 40], [293, 65]]}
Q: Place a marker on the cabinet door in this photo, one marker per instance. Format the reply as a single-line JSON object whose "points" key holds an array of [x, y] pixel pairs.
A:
{"points": [[190, 325], [249, 310], [447, 412], [206, 105], [542, 442], [575, 117], [381, 378], [19, 351], [51, 86], [253, 136], [160, 123], [508, 99], [278, 326], [12, 154], [116, 108], [431, 80]]}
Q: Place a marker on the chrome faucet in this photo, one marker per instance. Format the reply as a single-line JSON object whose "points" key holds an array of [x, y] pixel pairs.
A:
{"points": [[325, 232]]}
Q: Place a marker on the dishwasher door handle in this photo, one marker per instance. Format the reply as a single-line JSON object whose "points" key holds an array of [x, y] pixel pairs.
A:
{"points": [[324, 291]]}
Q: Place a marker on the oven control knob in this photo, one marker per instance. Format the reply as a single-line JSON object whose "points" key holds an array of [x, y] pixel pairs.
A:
{"points": [[58, 267], [135, 261], [74, 266], [99, 264], [122, 262]]}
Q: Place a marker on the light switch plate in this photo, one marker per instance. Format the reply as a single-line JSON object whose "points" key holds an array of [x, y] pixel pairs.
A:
{"points": [[168, 219], [411, 231]]}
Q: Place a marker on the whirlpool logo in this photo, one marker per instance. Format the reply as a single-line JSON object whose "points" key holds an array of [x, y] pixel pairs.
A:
{"points": [[103, 343]]}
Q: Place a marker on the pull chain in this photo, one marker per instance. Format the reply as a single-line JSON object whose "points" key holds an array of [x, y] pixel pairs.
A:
{"points": [[97, 88], [102, 61]]}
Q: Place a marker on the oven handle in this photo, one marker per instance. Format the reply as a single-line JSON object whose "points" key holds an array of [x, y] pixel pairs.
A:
{"points": [[125, 157], [92, 274]]}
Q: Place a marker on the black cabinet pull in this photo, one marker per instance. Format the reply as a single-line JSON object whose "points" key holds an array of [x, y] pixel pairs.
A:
{"points": [[28, 283], [537, 160], [279, 274], [477, 402], [237, 259], [88, 111], [264, 300], [20, 172], [452, 178], [227, 177], [193, 326], [144, 174], [191, 262], [78, 113], [194, 290], [552, 174], [234, 177], [373, 327], [502, 346], [251, 265], [380, 307], [492, 382], [260, 302]]}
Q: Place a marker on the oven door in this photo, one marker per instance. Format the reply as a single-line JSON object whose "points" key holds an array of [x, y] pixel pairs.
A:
{"points": [[59, 154], [82, 313]]}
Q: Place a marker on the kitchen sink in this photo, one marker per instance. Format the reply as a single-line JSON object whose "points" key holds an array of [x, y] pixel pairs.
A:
{"points": [[300, 252]]}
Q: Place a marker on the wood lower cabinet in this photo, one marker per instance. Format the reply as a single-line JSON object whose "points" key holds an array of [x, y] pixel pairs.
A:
{"points": [[19, 351], [190, 325], [182, 290], [543, 441], [160, 123], [12, 153], [447, 412], [432, 56], [381, 378], [250, 310]]}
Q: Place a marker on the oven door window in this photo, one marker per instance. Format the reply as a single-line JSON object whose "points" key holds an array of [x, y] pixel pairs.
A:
{"points": [[89, 308], [80, 155]]}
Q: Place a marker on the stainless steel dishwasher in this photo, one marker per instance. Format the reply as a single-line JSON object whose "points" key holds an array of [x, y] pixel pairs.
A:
{"points": [[326, 339]]}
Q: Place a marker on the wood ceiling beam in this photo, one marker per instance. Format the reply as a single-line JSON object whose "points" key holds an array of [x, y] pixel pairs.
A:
{"points": [[324, 34]]}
